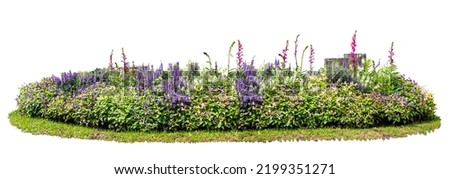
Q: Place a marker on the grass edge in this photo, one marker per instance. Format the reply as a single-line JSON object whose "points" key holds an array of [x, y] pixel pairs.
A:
{"points": [[40, 126]]}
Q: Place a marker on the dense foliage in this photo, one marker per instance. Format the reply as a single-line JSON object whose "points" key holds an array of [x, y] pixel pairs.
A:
{"points": [[145, 98]]}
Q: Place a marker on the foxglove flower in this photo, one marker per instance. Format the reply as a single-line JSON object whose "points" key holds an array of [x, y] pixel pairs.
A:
{"points": [[311, 59], [240, 54], [352, 54], [283, 54], [391, 54]]}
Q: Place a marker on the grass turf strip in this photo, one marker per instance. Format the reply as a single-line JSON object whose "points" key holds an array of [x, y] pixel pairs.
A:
{"points": [[40, 126]]}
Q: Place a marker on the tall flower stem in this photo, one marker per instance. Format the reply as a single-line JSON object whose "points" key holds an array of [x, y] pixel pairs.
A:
{"points": [[110, 60], [311, 59], [240, 54], [303, 55], [391, 54], [209, 60], [229, 57], [352, 54], [295, 52], [283, 54], [125, 63], [125, 67]]}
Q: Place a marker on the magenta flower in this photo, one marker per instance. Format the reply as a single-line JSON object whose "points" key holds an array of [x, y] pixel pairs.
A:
{"points": [[352, 54], [311, 58], [283, 54], [391, 54], [240, 54]]}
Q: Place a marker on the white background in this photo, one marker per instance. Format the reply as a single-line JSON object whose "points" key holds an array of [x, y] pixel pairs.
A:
{"points": [[41, 38]]}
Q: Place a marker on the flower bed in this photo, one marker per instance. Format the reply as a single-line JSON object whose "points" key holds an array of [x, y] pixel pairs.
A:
{"points": [[274, 95]]}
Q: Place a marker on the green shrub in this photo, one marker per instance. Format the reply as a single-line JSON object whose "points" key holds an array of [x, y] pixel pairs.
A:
{"points": [[35, 97]]}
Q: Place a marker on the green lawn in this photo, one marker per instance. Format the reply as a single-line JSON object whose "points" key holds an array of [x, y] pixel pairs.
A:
{"points": [[41, 126]]}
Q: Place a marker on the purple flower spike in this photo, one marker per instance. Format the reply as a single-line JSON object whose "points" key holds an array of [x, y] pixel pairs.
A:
{"points": [[352, 54], [174, 88], [56, 79], [240, 54], [247, 87], [391, 54], [283, 54], [277, 63], [311, 58]]}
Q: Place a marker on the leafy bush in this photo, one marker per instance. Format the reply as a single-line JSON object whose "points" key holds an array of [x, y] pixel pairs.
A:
{"points": [[144, 98]]}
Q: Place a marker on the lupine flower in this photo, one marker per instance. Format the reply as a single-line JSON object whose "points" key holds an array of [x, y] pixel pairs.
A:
{"points": [[277, 63], [159, 71], [391, 54], [240, 54], [283, 54], [69, 78], [67, 82], [311, 59], [124, 61], [56, 79], [146, 76], [247, 87], [141, 80], [352, 54], [174, 87]]}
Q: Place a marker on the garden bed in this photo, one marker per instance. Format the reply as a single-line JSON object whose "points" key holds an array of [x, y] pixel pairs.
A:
{"points": [[274, 96]]}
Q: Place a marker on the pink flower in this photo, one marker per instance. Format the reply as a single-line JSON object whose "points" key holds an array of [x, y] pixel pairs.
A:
{"points": [[311, 58], [240, 54], [391, 54], [352, 54], [283, 54]]}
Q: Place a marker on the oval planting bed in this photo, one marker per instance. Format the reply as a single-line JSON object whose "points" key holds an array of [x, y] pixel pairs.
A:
{"points": [[271, 101]]}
